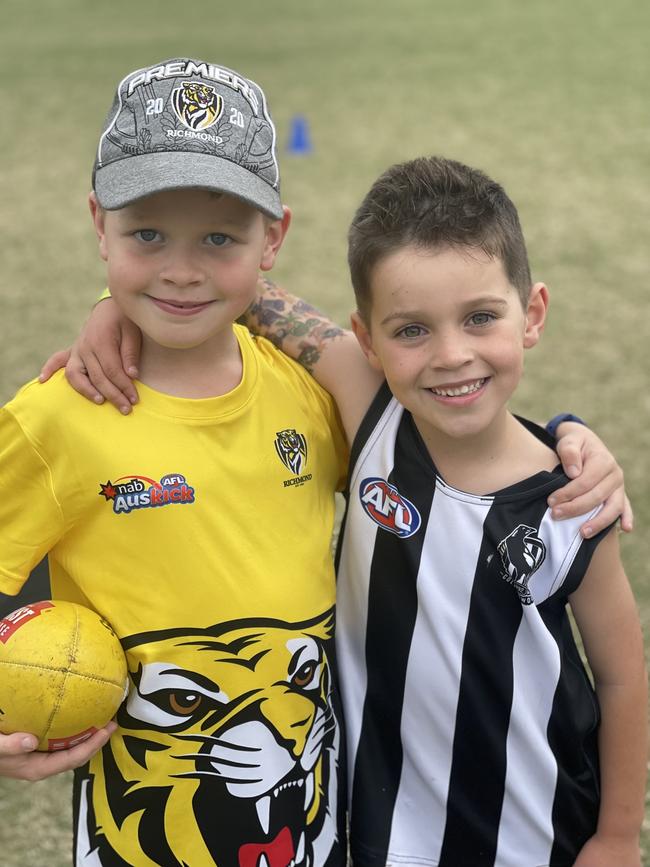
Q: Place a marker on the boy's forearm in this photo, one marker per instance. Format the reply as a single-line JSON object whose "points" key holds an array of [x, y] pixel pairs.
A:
{"points": [[294, 326], [623, 757], [331, 354]]}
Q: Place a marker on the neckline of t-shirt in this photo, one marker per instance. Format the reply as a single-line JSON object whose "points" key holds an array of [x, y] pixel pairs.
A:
{"points": [[207, 409]]}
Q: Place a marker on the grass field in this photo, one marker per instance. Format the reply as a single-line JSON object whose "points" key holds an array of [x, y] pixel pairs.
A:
{"points": [[547, 96]]}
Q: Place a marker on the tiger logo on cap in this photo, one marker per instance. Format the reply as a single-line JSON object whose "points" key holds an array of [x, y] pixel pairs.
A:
{"points": [[197, 105]]}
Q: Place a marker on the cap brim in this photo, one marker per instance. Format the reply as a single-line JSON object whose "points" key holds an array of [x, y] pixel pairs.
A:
{"points": [[124, 181]]}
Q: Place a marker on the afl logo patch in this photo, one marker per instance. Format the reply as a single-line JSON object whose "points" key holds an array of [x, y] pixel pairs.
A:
{"points": [[387, 507]]}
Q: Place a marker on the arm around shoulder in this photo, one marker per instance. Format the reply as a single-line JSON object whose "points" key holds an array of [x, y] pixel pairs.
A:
{"points": [[595, 477], [330, 353]]}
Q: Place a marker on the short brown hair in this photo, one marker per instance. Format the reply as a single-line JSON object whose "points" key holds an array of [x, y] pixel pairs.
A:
{"points": [[433, 202]]}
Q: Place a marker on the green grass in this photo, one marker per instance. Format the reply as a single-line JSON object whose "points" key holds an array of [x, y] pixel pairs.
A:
{"points": [[547, 96]]}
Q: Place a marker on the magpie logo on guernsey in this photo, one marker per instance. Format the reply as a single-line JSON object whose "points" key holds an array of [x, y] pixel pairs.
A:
{"points": [[384, 504], [522, 552], [291, 448], [131, 492]]}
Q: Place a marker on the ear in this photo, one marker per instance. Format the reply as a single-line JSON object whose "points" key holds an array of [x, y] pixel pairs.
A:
{"points": [[535, 314], [98, 216], [275, 234], [362, 333]]}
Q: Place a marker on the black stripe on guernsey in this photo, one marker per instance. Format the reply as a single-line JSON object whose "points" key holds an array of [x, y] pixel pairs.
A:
{"points": [[369, 422], [367, 426], [388, 643], [478, 769]]}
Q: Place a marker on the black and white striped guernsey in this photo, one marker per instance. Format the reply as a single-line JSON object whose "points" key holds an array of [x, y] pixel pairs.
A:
{"points": [[471, 721]]}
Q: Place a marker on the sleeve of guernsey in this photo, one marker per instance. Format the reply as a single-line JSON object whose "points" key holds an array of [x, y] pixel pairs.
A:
{"points": [[31, 519]]}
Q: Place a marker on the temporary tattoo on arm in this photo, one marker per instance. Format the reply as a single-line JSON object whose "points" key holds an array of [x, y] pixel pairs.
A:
{"points": [[293, 325]]}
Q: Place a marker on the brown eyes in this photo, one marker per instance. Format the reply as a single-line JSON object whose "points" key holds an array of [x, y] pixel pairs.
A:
{"points": [[304, 674], [184, 703]]}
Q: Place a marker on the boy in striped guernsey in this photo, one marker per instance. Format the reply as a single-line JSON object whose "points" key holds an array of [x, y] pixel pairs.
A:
{"points": [[475, 737]]}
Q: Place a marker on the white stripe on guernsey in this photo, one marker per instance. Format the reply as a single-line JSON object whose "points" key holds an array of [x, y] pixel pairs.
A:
{"points": [[531, 771], [353, 580], [562, 540], [433, 675], [351, 624]]}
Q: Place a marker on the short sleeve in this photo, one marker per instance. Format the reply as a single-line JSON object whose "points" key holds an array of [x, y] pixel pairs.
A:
{"points": [[31, 520]]}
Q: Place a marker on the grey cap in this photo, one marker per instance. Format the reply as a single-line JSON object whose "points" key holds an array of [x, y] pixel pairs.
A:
{"points": [[187, 123]]}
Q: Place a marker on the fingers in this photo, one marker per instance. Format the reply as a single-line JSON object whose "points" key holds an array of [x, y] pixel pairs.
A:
{"points": [[76, 373], [578, 497], [107, 344], [570, 501], [101, 381], [17, 744], [20, 760], [608, 515], [627, 518], [587, 490], [130, 353], [111, 381], [570, 453], [54, 362]]}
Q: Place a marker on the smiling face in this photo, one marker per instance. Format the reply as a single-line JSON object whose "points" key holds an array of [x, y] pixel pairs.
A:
{"points": [[183, 264], [448, 331]]}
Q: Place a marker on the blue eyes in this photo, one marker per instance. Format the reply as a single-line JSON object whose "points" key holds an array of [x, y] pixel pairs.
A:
{"points": [[482, 318], [475, 320], [411, 332], [217, 239], [148, 236]]}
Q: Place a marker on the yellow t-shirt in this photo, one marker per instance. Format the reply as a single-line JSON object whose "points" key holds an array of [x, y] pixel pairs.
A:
{"points": [[201, 530]]}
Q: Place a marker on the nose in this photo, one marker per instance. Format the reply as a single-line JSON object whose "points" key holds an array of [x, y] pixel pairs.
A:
{"points": [[451, 350], [182, 268]]}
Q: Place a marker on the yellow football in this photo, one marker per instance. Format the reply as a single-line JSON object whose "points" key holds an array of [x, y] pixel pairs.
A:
{"points": [[63, 673]]}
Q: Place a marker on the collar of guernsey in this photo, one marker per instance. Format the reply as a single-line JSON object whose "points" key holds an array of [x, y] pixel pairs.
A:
{"points": [[206, 409]]}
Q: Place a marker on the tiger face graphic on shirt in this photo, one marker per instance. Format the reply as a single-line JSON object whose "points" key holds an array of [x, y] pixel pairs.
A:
{"points": [[234, 720]]}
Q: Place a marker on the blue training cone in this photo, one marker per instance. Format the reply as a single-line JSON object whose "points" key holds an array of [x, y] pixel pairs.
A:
{"points": [[299, 141]]}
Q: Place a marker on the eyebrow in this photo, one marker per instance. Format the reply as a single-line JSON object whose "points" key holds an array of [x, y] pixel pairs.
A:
{"points": [[222, 223], [484, 301]]}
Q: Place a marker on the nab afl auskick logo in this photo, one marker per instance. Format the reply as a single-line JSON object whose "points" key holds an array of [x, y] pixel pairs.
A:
{"points": [[383, 503]]}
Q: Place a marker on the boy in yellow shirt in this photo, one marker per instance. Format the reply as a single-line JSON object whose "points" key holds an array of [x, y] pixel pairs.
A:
{"points": [[200, 526]]}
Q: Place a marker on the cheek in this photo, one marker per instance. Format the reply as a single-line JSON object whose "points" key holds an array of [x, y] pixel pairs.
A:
{"points": [[509, 356], [129, 272], [239, 278], [401, 368]]}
